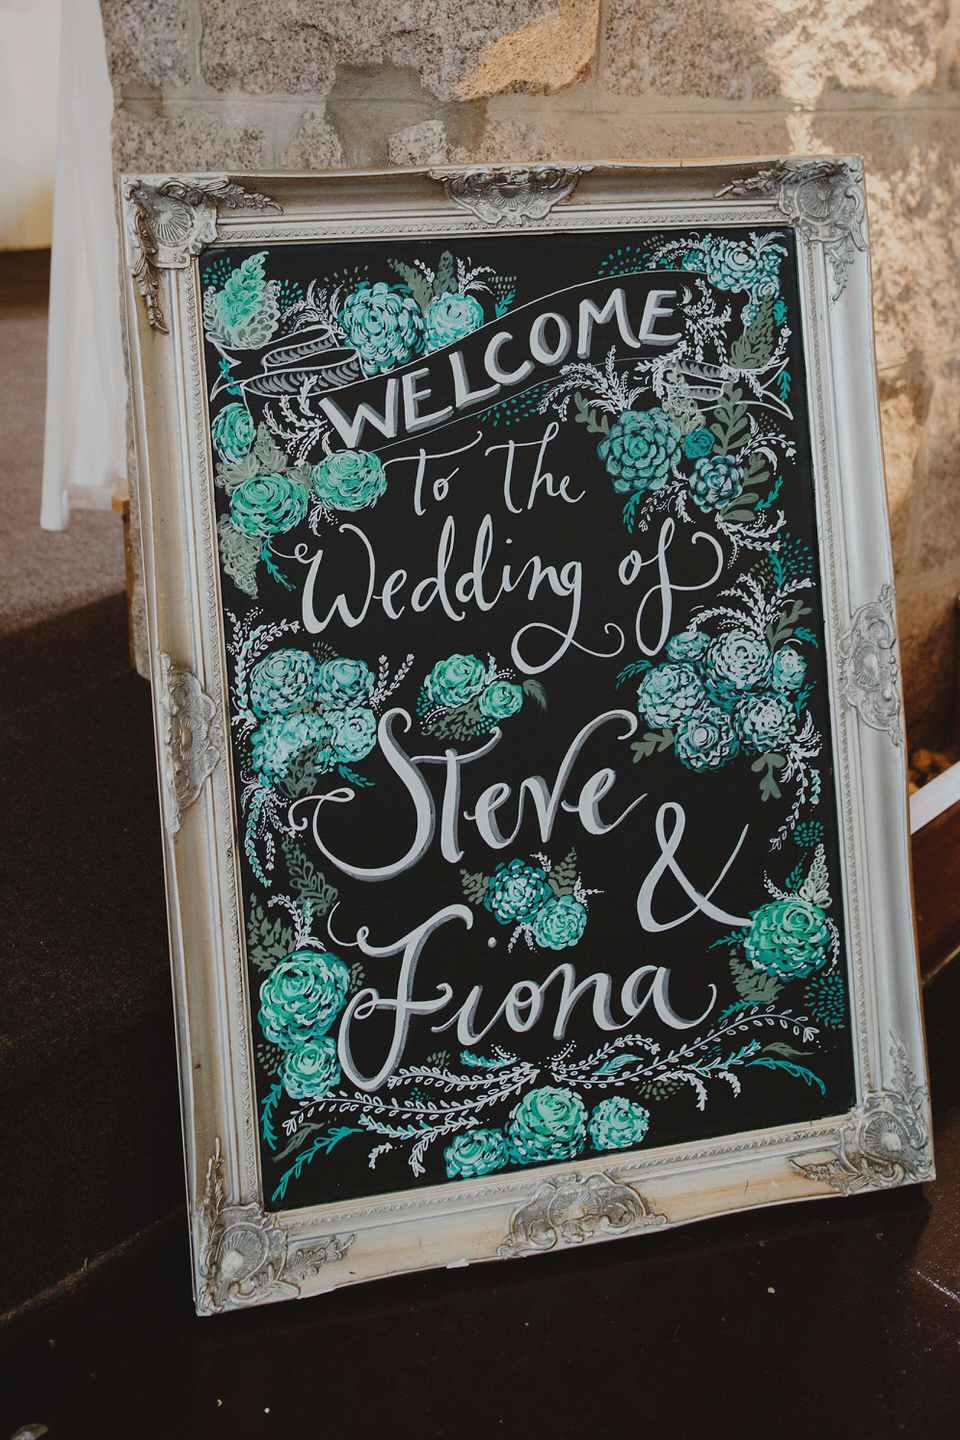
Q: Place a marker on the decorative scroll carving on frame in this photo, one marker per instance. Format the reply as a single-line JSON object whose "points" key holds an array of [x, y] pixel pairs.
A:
{"points": [[191, 739], [575, 1208], [171, 221], [868, 655], [824, 199], [886, 1144], [513, 195], [245, 1257]]}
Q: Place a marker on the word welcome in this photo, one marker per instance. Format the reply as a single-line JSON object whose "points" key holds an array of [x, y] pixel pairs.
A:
{"points": [[492, 360]]}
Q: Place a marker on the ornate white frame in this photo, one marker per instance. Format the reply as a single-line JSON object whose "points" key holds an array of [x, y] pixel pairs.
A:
{"points": [[241, 1255]]}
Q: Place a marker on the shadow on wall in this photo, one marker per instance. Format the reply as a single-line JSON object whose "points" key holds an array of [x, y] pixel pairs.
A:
{"points": [[770, 49]]}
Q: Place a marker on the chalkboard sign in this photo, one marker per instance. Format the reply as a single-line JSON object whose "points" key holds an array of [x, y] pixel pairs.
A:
{"points": [[531, 747]]}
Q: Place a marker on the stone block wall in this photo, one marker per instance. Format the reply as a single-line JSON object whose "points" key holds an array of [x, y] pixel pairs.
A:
{"points": [[318, 84]]}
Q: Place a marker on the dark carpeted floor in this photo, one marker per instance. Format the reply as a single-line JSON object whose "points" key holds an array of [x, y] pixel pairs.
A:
{"points": [[88, 1089], [80, 860], [87, 1069]]}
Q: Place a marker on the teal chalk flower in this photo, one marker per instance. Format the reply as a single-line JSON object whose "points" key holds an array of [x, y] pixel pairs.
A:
{"points": [[312, 1071], [716, 481], [241, 297], [548, 1124], [268, 505], [738, 265], [787, 670], [350, 480], [688, 645], [284, 740], [670, 694], [233, 433], [354, 734], [764, 722], [384, 324], [734, 663], [283, 681], [343, 683], [559, 923], [450, 318], [455, 681], [707, 740], [825, 999], [246, 312], [516, 891], [733, 265], [301, 997], [617, 1124], [640, 450], [695, 259], [478, 1152], [748, 266], [788, 939], [699, 443], [500, 700]]}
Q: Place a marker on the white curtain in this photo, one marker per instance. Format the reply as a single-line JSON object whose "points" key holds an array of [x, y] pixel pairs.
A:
{"points": [[84, 456]]}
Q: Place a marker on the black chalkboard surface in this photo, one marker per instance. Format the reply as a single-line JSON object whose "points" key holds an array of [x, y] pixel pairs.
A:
{"points": [[531, 739]]}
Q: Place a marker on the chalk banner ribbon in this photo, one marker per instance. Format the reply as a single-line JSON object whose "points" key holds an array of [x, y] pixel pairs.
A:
{"points": [[521, 350]]}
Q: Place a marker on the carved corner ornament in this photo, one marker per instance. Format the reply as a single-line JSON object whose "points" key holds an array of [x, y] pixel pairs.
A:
{"points": [[574, 1208], [510, 194], [171, 221], [887, 1143], [868, 658], [245, 1257], [824, 199], [191, 738]]}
